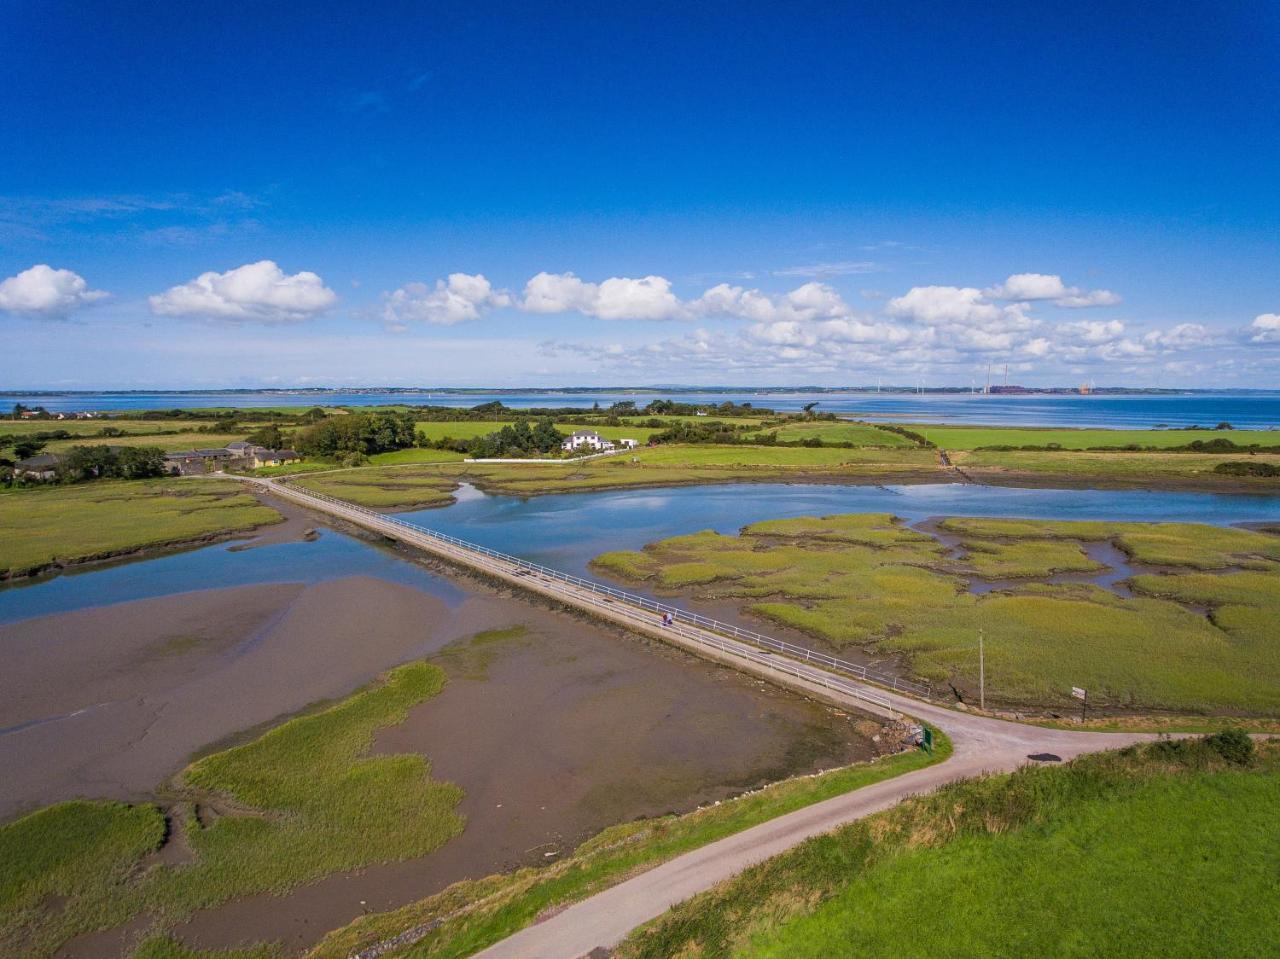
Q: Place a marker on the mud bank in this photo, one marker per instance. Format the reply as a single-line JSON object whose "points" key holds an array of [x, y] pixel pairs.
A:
{"points": [[107, 702], [554, 733]]}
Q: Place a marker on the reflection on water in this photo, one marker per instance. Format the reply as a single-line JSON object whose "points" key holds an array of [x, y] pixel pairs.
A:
{"points": [[330, 556]]}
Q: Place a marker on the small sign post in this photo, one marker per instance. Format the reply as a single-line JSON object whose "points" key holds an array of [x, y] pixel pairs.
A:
{"points": [[927, 740], [1083, 696]]}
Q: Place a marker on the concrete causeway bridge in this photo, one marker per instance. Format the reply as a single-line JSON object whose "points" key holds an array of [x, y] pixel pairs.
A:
{"points": [[846, 683], [980, 744]]}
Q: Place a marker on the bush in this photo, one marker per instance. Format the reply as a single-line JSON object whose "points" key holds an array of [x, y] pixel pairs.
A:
{"points": [[365, 433], [1233, 745], [1238, 468]]}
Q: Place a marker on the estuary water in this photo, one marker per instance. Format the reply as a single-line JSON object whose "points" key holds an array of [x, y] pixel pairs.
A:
{"points": [[566, 531], [1258, 410], [221, 566]]}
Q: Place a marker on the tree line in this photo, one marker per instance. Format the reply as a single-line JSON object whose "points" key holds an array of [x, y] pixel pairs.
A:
{"points": [[82, 463]]}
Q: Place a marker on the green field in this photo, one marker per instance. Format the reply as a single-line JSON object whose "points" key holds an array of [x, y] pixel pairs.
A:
{"points": [[711, 418], [298, 803], [974, 437], [87, 427], [469, 429], [54, 526], [384, 488], [867, 580], [859, 434], [169, 442], [415, 455], [431, 483], [1158, 851], [474, 914], [1142, 469], [680, 465]]}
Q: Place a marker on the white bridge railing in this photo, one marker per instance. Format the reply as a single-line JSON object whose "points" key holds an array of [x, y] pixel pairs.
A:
{"points": [[759, 640]]}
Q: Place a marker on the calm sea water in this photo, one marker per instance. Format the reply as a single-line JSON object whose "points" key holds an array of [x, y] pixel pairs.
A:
{"points": [[331, 556], [1252, 410], [567, 531]]}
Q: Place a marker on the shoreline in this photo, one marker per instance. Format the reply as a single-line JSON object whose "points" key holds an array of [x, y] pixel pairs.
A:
{"points": [[1030, 481]]}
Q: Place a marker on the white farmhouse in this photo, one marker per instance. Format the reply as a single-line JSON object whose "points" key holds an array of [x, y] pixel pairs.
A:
{"points": [[582, 440], [628, 444]]}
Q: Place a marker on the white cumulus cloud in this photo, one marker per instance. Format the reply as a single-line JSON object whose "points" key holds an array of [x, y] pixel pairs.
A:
{"points": [[1049, 286], [256, 292], [617, 298], [459, 299], [44, 291], [1265, 328], [1184, 336]]}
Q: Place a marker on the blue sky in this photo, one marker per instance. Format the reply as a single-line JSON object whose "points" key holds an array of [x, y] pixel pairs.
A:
{"points": [[485, 194]]}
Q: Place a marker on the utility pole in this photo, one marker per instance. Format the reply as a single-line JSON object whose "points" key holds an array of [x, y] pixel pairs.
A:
{"points": [[982, 675]]}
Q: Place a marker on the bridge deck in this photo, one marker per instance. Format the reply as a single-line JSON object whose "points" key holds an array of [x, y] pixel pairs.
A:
{"points": [[620, 608]]}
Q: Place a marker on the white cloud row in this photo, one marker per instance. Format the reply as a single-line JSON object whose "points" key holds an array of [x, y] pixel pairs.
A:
{"points": [[260, 292], [652, 298], [810, 326], [256, 292]]}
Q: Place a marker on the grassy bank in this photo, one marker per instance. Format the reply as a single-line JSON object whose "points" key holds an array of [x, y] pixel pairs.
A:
{"points": [[683, 465], [974, 437], [385, 488], [1146, 470], [298, 803], [472, 915], [169, 442], [858, 434], [428, 477], [1164, 850], [469, 429], [57, 526], [867, 580]]}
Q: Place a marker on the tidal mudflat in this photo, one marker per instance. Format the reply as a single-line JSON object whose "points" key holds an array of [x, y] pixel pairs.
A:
{"points": [[552, 726], [554, 732]]}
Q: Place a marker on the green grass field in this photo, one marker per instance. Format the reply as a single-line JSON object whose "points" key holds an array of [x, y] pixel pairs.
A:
{"points": [[859, 434], [385, 488], [477, 913], [61, 525], [866, 580], [1143, 469], [791, 457], [1152, 852], [431, 483], [974, 437], [414, 455], [468, 429], [298, 803], [87, 427], [169, 442]]}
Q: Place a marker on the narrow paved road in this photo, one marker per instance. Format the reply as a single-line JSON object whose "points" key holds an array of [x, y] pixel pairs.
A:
{"points": [[981, 745]]}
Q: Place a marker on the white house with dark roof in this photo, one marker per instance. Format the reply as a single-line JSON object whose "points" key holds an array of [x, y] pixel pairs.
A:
{"points": [[582, 440]]}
